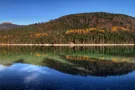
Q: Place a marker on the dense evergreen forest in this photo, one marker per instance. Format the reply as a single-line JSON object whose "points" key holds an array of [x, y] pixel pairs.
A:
{"points": [[91, 28]]}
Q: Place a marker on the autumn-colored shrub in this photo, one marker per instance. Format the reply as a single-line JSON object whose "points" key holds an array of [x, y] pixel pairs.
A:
{"points": [[116, 28], [40, 34], [83, 31]]}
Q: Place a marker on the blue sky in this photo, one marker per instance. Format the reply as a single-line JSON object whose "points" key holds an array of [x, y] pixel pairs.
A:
{"points": [[32, 11]]}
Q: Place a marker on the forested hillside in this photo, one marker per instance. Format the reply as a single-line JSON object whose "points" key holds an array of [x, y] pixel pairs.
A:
{"points": [[98, 27]]}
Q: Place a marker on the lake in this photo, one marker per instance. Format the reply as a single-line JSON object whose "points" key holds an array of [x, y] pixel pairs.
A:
{"points": [[67, 68]]}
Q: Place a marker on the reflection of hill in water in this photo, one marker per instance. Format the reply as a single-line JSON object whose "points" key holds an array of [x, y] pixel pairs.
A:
{"points": [[96, 61], [91, 67]]}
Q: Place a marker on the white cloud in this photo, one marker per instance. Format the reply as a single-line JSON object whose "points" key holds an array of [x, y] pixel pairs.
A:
{"points": [[2, 67], [32, 68], [31, 77]]}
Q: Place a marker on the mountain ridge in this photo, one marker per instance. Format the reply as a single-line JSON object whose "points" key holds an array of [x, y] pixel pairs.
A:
{"points": [[9, 25]]}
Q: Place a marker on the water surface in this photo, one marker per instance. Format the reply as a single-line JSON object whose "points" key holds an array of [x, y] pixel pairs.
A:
{"points": [[67, 68]]}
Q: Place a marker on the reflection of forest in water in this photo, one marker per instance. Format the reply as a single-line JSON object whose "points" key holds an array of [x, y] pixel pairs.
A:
{"points": [[92, 67], [96, 61]]}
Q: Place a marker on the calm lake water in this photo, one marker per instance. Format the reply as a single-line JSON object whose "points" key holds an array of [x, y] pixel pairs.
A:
{"points": [[67, 68]]}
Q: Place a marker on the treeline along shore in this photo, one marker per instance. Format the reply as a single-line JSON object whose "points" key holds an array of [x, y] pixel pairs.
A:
{"points": [[67, 44]]}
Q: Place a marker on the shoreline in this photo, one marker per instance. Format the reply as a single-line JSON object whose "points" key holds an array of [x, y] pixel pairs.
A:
{"points": [[67, 44]]}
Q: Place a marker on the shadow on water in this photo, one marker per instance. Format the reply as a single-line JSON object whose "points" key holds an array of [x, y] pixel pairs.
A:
{"points": [[20, 61], [91, 67]]}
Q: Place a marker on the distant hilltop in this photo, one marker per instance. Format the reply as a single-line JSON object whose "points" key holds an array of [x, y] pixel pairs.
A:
{"points": [[8, 25]]}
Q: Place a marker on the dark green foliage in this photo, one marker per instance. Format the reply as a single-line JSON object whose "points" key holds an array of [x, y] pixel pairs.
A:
{"points": [[56, 30]]}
